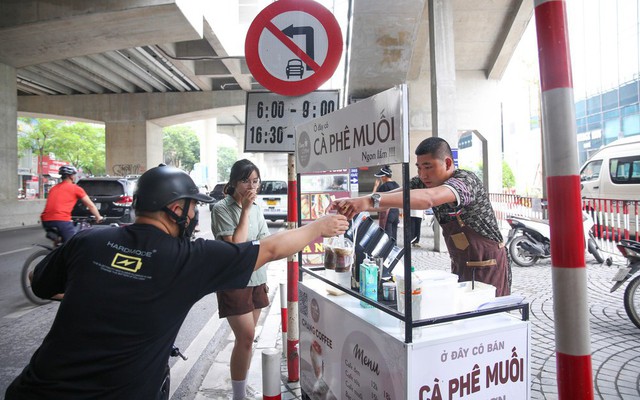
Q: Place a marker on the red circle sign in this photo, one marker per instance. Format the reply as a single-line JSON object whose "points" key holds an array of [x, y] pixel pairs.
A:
{"points": [[293, 46]]}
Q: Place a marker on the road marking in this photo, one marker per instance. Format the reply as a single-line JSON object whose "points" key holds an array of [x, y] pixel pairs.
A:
{"points": [[182, 367], [15, 251], [20, 312]]}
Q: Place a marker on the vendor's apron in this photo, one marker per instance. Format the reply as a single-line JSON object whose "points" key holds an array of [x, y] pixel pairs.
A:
{"points": [[471, 251]]}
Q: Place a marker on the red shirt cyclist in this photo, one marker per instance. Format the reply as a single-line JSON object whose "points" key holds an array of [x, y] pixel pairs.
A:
{"points": [[60, 202]]}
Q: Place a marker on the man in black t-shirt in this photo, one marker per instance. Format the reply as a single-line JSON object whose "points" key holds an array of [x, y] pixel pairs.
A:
{"points": [[388, 219], [127, 291]]}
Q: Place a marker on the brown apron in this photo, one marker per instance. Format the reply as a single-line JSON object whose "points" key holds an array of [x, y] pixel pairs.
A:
{"points": [[471, 252]]}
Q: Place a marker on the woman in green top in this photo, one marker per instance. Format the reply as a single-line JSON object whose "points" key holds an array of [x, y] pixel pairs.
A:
{"points": [[237, 219]]}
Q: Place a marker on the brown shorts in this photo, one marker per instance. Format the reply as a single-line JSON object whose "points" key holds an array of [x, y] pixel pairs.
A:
{"points": [[242, 301]]}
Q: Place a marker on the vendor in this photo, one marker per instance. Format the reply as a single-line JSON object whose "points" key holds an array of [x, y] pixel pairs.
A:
{"points": [[461, 206]]}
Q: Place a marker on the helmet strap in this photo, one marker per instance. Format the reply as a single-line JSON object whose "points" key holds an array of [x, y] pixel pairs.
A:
{"points": [[180, 220]]}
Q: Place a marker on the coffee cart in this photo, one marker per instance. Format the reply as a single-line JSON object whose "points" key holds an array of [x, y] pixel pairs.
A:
{"points": [[355, 347]]}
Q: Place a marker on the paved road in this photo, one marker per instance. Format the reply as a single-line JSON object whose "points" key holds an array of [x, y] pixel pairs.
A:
{"points": [[614, 339], [24, 325]]}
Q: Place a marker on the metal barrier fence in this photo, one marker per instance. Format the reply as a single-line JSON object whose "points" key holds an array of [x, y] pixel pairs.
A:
{"points": [[614, 219], [513, 204]]}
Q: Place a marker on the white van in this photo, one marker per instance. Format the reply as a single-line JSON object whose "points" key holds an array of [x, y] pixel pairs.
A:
{"points": [[613, 172], [272, 198]]}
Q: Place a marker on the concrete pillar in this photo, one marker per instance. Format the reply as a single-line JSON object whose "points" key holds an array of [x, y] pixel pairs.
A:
{"points": [[13, 213], [9, 141], [443, 80], [443, 71], [209, 150], [132, 147]]}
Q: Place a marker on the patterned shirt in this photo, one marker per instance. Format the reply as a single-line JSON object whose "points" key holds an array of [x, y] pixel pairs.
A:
{"points": [[225, 217], [472, 204]]}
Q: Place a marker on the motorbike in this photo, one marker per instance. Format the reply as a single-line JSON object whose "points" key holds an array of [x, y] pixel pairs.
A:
{"points": [[630, 249], [528, 240], [165, 388], [34, 259], [27, 273]]}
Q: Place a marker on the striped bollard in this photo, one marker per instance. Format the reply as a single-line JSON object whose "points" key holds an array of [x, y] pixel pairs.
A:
{"points": [[283, 316], [571, 317], [271, 374]]}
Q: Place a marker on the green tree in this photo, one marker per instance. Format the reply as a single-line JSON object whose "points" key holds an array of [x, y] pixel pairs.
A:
{"points": [[508, 179], [78, 143], [226, 157], [35, 135], [82, 145], [181, 147], [476, 169]]}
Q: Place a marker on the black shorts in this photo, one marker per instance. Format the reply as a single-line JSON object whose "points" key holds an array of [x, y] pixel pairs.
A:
{"points": [[242, 301]]}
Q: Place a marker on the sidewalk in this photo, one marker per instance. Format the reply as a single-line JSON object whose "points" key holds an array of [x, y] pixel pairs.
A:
{"points": [[614, 339], [217, 383]]}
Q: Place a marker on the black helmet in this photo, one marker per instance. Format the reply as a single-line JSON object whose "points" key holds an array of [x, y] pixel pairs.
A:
{"points": [[67, 170], [162, 185]]}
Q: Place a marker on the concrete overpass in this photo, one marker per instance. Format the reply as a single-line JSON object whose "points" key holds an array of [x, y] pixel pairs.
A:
{"points": [[139, 65]]}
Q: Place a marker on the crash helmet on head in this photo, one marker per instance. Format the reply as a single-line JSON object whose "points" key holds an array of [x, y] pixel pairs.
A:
{"points": [[67, 170], [162, 185]]}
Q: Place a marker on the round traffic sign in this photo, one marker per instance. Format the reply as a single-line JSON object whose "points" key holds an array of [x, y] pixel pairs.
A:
{"points": [[293, 46]]}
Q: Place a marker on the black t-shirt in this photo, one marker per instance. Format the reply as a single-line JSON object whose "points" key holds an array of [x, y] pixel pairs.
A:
{"points": [[127, 292], [393, 214]]}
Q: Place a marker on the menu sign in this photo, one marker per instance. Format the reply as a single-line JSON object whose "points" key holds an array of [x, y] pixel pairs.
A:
{"points": [[368, 133], [353, 362]]}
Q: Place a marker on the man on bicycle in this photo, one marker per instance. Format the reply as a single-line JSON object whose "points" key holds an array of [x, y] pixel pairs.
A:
{"points": [[128, 289], [60, 202]]}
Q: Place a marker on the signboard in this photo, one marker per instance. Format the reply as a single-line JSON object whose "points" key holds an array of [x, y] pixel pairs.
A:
{"points": [[493, 364], [356, 361], [271, 118], [371, 132], [293, 47]]}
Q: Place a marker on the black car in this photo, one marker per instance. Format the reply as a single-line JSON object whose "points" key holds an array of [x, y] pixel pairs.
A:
{"points": [[217, 193], [112, 196]]}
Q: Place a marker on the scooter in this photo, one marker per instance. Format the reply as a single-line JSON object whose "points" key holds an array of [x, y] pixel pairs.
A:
{"points": [[528, 240], [631, 250]]}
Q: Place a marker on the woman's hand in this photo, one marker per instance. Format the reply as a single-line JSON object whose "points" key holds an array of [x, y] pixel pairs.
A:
{"points": [[248, 199]]}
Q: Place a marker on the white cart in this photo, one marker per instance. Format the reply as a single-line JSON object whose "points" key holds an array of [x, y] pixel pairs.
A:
{"points": [[348, 351]]}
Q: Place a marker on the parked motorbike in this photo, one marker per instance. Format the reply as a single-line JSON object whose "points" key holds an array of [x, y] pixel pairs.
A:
{"points": [[165, 388], [631, 250], [528, 240]]}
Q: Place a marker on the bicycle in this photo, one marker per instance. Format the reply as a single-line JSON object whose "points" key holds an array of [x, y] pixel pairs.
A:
{"points": [[34, 259]]}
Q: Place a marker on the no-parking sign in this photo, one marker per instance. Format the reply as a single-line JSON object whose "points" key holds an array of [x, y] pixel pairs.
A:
{"points": [[293, 46]]}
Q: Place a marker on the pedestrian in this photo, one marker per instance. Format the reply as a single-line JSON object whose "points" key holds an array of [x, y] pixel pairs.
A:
{"points": [[236, 219], [387, 219], [61, 200], [128, 290], [462, 208], [416, 223]]}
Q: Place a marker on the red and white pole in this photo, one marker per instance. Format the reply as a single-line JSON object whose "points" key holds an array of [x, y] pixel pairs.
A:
{"points": [[293, 333], [571, 318], [283, 316]]}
